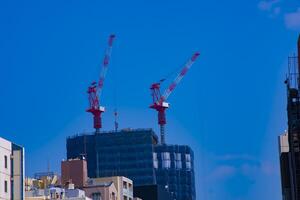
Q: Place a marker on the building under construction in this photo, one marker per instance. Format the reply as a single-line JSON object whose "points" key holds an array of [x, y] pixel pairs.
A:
{"points": [[136, 154], [290, 142]]}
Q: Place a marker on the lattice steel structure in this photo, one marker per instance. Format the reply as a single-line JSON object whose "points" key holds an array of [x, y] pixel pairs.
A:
{"points": [[290, 155]]}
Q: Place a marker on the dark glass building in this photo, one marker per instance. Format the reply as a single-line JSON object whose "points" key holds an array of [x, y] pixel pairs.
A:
{"points": [[290, 142], [137, 155], [152, 192], [126, 153], [174, 169]]}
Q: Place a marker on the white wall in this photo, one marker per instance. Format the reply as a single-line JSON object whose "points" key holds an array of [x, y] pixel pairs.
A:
{"points": [[5, 173]]}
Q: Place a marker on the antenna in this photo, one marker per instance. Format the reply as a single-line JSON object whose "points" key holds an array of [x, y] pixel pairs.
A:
{"points": [[116, 120]]}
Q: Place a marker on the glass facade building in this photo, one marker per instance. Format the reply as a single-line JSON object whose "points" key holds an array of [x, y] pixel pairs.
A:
{"points": [[137, 155], [174, 169]]}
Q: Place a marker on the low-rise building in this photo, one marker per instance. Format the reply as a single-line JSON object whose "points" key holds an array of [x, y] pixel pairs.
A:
{"points": [[56, 193], [102, 191], [42, 180], [123, 185], [11, 171], [74, 171]]}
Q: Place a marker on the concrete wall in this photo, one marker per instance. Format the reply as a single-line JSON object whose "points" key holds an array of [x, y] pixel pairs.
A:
{"points": [[74, 170], [5, 172], [18, 174]]}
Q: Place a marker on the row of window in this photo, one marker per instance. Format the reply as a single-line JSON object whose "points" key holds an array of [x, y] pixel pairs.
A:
{"points": [[177, 156], [166, 161], [166, 164], [97, 196], [5, 166], [127, 185]]}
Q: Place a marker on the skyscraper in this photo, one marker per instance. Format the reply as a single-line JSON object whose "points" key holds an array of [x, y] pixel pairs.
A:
{"points": [[137, 155], [290, 142]]}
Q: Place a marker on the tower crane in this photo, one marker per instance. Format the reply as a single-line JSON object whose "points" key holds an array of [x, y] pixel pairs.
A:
{"points": [[159, 99], [95, 89]]}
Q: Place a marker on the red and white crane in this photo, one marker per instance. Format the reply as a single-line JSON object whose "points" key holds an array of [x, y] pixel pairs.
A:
{"points": [[95, 89], [159, 99]]}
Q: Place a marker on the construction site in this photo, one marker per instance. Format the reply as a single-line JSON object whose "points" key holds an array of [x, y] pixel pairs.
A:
{"points": [[138, 154], [151, 164]]}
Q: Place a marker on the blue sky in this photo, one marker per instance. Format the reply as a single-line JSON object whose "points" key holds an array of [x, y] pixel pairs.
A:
{"points": [[229, 108]]}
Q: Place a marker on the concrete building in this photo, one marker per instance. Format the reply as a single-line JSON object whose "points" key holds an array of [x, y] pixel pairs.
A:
{"points": [[74, 171], [11, 171], [123, 185], [42, 180], [137, 155], [102, 191], [56, 193]]}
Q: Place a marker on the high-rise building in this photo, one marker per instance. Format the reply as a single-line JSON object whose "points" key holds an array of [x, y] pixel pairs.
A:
{"points": [[174, 169], [11, 171], [152, 192], [127, 153], [137, 155], [290, 142], [284, 166]]}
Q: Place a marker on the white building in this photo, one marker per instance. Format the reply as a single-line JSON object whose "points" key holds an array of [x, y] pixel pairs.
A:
{"points": [[56, 193], [11, 171]]}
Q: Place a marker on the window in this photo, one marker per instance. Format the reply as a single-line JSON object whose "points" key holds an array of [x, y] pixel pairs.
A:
{"points": [[188, 165], [166, 162], [113, 196], [154, 156], [96, 196], [177, 156], [188, 157], [5, 186], [130, 186], [5, 162], [155, 161], [165, 155], [188, 162], [124, 185], [178, 163]]}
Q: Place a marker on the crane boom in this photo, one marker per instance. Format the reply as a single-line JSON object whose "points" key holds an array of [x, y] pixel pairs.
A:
{"points": [[105, 64], [159, 103], [94, 90], [179, 77]]}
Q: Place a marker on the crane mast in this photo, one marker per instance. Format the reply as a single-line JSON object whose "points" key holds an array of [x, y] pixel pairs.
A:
{"points": [[159, 101], [95, 89]]}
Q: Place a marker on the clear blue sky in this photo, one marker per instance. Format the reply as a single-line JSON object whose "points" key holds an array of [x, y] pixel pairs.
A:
{"points": [[230, 107]]}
